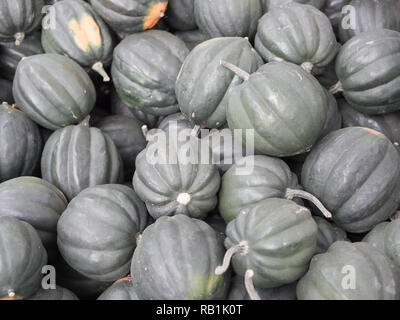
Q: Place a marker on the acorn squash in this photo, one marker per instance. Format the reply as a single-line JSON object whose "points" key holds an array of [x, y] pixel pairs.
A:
{"points": [[91, 155], [333, 10], [22, 257], [355, 173], [180, 15], [59, 293], [53, 90], [192, 38], [97, 232], [80, 34], [328, 233], [145, 68], [269, 4], [6, 94], [175, 260], [122, 289]]}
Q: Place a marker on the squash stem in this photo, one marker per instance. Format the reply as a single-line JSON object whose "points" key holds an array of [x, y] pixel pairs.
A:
{"points": [[336, 88], [236, 70], [241, 248], [307, 66], [291, 193], [85, 122], [145, 131], [248, 283], [19, 37], [99, 68], [11, 293]]}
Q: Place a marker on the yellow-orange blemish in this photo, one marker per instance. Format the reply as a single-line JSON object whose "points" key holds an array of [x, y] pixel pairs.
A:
{"points": [[155, 13], [124, 279], [373, 131], [86, 32]]}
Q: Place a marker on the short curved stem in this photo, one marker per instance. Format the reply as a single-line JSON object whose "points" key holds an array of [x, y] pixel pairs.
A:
{"points": [[86, 121], [307, 66], [11, 294], [236, 70], [99, 68], [248, 283], [145, 131], [19, 37], [227, 260], [338, 87], [291, 193]]}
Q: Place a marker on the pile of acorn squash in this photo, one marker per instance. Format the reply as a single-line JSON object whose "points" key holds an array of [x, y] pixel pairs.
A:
{"points": [[85, 88]]}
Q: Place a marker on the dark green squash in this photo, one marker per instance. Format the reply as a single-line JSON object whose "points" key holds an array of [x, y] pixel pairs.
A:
{"points": [[59, 293], [355, 173], [145, 68], [296, 33], [36, 202], [270, 243], [175, 260], [22, 257], [333, 10], [19, 18], [388, 124], [120, 108], [266, 178], [328, 233], [20, 141], [91, 155], [80, 34], [97, 232], [180, 15], [238, 291], [284, 104], [175, 121], [386, 237], [120, 290], [128, 137], [330, 274], [228, 18], [370, 15], [269, 4], [11, 54], [327, 77], [130, 16], [367, 68], [53, 90], [192, 38], [6, 94], [203, 85], [83, 287], [170, 184]]}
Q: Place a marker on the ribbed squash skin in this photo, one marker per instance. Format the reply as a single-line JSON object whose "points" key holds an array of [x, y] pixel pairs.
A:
{"points": [[97, 233], [333, 10], [269, 179], [375, 275], [176, 260], [78, 33], [180, 15], [281, 237], [119, 108], [284, 34], [268, 4], [121, 290], [19, 16], [388, 124], [53, 90], [386, 237], [354, 172], [11, 54], [284, 104], [372, 15], [161, 184], [22, 257], [367, 67], [20, 141], [6, 91], [238, 291], [149, 84], [59, 293], [328, 233], [77, 157], [130, 16], [36, 202], [203, 85], [228, 18], [192, 38], [128, 137], [83, 287], [175, 121]]}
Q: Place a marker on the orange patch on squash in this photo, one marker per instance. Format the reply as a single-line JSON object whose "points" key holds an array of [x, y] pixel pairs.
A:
{"points": [[373, 131], [86, 32], [123, 279], [155, 13]]}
